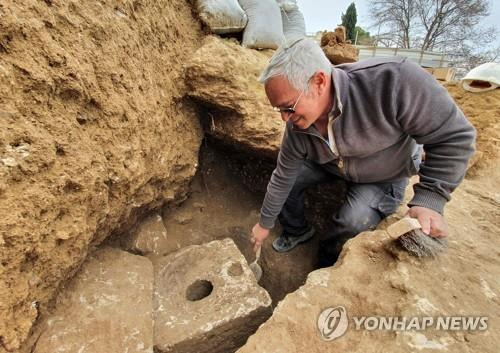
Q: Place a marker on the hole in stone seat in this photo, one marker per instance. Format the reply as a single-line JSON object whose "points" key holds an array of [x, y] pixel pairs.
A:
{"points": [[198, 290]]}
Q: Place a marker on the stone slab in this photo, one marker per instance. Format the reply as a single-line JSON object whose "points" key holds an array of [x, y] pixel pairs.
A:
{"points": [[206, 299], [106, 308]]}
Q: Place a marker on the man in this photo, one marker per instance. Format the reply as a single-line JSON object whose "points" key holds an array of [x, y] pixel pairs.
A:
{"points": [[366, 123]]}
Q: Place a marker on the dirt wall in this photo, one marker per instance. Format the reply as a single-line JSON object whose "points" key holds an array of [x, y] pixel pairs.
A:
{"points": [[482, 110], [93, 133]]}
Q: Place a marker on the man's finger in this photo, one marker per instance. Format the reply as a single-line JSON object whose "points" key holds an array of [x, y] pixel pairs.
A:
{"points": [[439, 229], [425, 222]]}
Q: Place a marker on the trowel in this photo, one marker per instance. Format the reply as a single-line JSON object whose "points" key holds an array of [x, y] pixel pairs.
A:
{"points": [[255, 267]]}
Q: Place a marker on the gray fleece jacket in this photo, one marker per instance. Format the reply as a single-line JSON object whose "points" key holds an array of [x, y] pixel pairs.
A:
{"points": [[383, 110]]}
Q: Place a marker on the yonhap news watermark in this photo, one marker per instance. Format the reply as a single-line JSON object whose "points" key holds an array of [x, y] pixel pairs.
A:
{"points": [[334, 322]]}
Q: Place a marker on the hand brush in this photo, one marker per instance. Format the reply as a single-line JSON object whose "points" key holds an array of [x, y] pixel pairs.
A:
{"points": [[409, 235]]}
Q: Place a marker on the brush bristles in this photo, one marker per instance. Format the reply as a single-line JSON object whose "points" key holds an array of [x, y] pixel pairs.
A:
{"points": [[419, 244]]}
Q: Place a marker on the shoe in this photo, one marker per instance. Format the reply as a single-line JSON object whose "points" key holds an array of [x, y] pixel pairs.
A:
{"points": [[287, 242]]}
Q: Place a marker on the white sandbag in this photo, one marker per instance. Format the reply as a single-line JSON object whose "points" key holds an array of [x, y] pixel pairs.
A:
{"points": [[485, 77], [222, 16], [294, 25], [264, 29], [288, 5]]}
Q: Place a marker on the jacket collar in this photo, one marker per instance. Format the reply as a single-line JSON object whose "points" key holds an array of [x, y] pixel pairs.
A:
{"points": [[341, 86]]}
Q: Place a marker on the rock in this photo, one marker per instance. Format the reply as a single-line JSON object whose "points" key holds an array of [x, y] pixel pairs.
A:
{"points": [[206, 299], [336, 49], [374, 277], [149, 236], [223, 76], [106, 308], [199, 205], [93, 136], [341, 53], [183, 217], [336, 37], [341, 33]]}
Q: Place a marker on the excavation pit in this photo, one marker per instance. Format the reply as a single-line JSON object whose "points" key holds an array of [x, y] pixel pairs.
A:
{"points": [[206, 297]]}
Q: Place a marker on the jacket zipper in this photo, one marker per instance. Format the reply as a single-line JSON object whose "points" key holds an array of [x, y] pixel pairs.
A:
{"points": [[333, 144], [341, 164]]}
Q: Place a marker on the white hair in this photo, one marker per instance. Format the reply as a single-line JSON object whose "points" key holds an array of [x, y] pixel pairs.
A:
{"points": [[297, 62]]}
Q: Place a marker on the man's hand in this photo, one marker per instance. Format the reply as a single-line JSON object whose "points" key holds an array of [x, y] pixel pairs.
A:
{"points": [[432, 223], [259, 234]]}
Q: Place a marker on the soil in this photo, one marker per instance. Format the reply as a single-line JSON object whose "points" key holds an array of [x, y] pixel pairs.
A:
{"points": [[93, 133], [482, 109]]}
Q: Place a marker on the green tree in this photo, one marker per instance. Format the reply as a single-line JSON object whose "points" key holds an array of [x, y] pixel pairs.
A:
{"points": [[349, 21], [364, 37]]}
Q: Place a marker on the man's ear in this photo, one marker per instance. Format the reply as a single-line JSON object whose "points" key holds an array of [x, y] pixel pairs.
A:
{"points": [[319, 81]]}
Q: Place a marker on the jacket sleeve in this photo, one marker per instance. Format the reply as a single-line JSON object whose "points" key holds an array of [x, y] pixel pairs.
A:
{"points": [[290, 159], [426, 112]]}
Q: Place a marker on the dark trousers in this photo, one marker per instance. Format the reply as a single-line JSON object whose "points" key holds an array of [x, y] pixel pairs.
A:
{"points": [[365, 206]]}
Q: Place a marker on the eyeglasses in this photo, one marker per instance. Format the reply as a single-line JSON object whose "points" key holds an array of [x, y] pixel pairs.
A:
{"points": [[289, 110]]}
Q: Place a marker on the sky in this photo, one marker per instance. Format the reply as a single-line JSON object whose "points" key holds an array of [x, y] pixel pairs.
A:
{"points": [[325, 14]]}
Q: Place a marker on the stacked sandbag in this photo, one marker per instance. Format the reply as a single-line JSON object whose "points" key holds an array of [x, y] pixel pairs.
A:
{"points": [[264, 29], [485, 77], [294, 26], [222, 16]]}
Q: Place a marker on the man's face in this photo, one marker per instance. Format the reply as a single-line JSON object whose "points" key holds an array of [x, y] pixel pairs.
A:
{"points": [[282, 95]]}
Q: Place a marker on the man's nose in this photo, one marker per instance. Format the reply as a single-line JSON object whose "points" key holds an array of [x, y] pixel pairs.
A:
{"points": [[285, 116]]}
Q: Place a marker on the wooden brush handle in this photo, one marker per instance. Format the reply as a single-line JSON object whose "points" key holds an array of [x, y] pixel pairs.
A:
{"points": [[403, 226]]}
